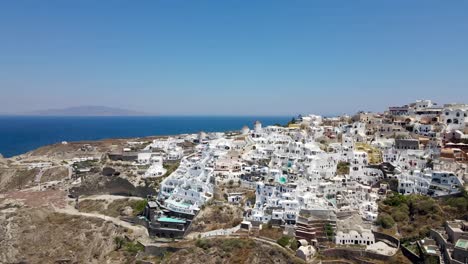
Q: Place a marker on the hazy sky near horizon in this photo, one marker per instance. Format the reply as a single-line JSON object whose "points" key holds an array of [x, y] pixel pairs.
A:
{"points": [[232, 57]]}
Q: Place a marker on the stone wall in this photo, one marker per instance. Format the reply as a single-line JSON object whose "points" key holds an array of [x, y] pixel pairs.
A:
{"points": [[248, 185], [384, 237], [443, 246], [353, 254], [410, 255]]}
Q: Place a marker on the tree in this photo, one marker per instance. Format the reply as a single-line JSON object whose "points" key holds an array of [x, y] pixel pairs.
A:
{"points": [[385, 220]]}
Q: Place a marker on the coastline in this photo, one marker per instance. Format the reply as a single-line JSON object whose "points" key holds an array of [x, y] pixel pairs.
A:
{"points": [[20, 135]]}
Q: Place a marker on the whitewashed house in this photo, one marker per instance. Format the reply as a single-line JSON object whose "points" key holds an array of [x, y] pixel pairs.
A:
{"points": [[353, 237]]}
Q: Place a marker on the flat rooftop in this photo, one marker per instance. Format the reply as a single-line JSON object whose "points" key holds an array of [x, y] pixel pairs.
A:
{"points": [[462, 243]]}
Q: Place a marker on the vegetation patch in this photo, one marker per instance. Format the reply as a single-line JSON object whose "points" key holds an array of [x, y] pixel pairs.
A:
{"points": [[250, 197], [229, 250], [131, 247], [342, 168], [12, 178], [217, 215], [329, 231], [139, 206], [271, 232], [227, 245], [55, 174], [170, 167], [114, 209], [288, 242], [457, 205], [414, 215], [375, 155]]}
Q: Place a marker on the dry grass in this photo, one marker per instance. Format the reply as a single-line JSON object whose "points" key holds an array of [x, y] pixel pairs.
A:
{"points": [[271, 232], [55, 174], [375, 155], [42, 236], [113, 209], [39, 198], [230, 250], [215, 216], [16, 178]]}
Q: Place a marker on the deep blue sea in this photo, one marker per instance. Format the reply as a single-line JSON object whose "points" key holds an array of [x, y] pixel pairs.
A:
{"points": [[20, 134]]}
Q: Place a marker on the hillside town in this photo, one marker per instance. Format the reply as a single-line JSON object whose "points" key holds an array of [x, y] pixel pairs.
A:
{"points": [[317, 172], [320, 187]]}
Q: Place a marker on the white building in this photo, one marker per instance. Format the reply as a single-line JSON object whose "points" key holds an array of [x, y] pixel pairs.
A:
{"points": [[305, 253], [188, 187], [455, 116], [353, 237], [435, 183], [422, 104]]}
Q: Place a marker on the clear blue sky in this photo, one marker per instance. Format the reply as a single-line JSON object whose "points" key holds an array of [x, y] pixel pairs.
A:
{"points": [[232, 57]]}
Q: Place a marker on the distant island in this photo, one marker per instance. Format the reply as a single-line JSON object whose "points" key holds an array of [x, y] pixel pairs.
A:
{"points": [[87, 111]]}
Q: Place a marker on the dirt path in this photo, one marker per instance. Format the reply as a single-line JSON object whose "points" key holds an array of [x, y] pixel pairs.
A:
{"points": [[139, 231], [217, 232], [70, 171], [109, 197], [38, 177], [290, 252]]}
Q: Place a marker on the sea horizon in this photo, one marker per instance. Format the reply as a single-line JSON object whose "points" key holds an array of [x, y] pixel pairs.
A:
{"points": [[20, 134]]}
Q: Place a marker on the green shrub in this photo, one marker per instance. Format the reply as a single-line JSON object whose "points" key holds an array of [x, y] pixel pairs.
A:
{"points": [[119, 242], [385, 220], [329, 231], [284, 241], [230, 244], [461, 203], [134, 247], [227, 245], [424, 232], [139, 206], [203, 244], [294, 244], [396, 200], [400, 214], [129, 246], [423, 206]]}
